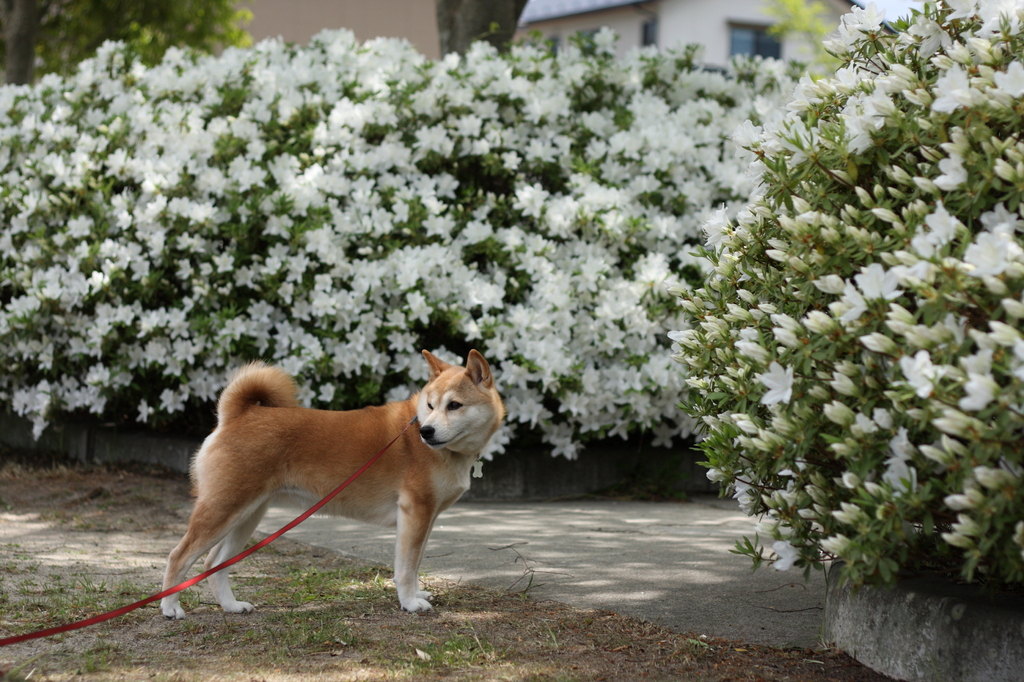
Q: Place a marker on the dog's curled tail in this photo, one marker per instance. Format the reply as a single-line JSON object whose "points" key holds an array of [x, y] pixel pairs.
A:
{"points": [[256, 384]]}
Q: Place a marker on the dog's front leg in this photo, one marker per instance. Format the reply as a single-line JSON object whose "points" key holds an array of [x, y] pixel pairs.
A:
{"points": [[415, 518]]}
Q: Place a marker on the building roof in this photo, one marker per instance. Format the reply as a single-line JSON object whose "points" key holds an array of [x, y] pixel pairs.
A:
{"points": [[542, 10]]}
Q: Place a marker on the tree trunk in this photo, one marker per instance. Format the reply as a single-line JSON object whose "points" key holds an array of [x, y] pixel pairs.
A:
{"points": [[461, 22], [21, 25]]}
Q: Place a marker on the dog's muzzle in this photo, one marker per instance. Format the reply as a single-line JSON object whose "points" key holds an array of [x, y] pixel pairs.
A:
{"points": [[429, 436]]}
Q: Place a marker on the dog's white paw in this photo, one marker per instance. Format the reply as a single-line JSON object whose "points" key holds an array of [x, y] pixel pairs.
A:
{"points": [[416, 604], [237, 607], [421, 594], [173, 611]]}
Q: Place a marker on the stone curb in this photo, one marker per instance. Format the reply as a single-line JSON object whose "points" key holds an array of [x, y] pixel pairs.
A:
{"points": [[927, 629], [524, 475], [99, 445]]}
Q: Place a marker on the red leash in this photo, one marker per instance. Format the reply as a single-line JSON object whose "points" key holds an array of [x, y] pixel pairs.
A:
{"points": [[206, 574]]}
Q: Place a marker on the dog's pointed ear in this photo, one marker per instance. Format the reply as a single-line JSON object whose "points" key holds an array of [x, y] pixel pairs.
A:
{"points": [[478, 370], [437, 365]]}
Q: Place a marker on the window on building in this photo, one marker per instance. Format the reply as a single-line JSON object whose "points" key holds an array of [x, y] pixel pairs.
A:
{"points": [[753, 41], [649, 32], [554, 42]]}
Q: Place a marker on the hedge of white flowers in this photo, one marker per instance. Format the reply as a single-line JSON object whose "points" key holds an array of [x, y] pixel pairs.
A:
{"points": [[857, 357], [338, 207]]}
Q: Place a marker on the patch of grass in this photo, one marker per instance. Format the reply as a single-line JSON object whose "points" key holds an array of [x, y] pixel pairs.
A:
{"points": [[47, 600], [98, 658], [459, 651]]}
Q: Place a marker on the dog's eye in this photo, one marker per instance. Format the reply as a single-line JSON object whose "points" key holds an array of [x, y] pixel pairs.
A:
{"points": [[429, 406], [454, 406]]}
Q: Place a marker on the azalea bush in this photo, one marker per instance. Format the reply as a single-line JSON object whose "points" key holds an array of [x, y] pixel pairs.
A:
{"points": [[856, 355], [336, 208]]}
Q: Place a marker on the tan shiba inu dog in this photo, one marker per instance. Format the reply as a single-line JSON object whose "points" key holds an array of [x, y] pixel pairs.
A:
{"points": [[266, 447]]}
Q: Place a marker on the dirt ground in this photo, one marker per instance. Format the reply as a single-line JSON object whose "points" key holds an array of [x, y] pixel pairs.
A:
{"points": [[78, 541]]}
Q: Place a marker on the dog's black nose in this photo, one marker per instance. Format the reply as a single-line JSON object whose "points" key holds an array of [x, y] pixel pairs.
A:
{"points": [[426, 432]]}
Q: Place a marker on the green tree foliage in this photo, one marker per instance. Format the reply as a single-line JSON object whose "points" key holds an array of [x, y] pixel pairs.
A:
{"points": [[72, 30], [807, 20]]}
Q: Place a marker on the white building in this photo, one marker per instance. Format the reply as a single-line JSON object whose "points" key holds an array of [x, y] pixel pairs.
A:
{"points": [[724, 27]]}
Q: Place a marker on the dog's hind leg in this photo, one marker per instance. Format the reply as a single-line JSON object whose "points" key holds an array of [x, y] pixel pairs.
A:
{"points": [[232, 544], [415, 519], [206, 527]]}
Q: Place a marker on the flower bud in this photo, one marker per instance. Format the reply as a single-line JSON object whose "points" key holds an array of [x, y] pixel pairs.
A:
{"points": [[784, 320], [715, 475], [738, 313], [926, 185], [994, 285], [819, 322], [850, 514], [956, 423], [843, 384], [747, 296], [818, 391], [981, 47], [1003, 334], [865, 197], [798, 265], [841, 449], [786, 337], [800, 205], [885, 214], [874, 489], [994, 479], [879, 343], [837, 544], [1013, 307], [953, 446], [899, 175], [967, 526], [960, 502], [839, 413], [919, 96], [900, 314], [936, 454], [960, 53], [830, 284], [958, 540]]}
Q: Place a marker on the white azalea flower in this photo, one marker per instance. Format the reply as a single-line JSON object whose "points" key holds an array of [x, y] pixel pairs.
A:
{"points": [[931, 34], [994, 12], [988, 255], [854, 303], [1011, 81], [877, 282], [980, 389], [787, 555], [920, 373], [953, 173], [779, 382], [716, 228], [956, 90]]}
